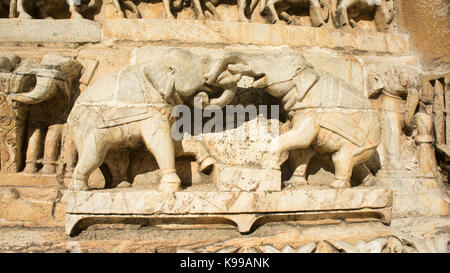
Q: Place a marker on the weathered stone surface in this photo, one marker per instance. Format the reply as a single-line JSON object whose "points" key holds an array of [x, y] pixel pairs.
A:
{"points": [[132, 201], [210, 32], [69, 31], [235, 178]]}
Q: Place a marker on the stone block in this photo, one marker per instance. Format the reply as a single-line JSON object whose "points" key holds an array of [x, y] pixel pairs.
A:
{"points": [[69, 31], [237, 178]]}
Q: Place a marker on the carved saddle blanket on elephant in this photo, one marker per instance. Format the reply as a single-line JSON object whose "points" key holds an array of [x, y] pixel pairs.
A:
{"points": [[344, 110], [135, 98]]}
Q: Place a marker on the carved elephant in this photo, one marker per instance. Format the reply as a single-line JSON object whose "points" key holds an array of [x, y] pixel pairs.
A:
{"points": [[134, 106], [398, 91], [327, 115], [315, 10], [384, 13], [47, 7], [48, 105]]}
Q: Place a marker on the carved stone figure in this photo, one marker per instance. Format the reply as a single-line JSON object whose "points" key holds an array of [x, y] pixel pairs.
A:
{"points": [[328, 115], [210, 5], [315, 10], [384, 13], [49, 104], [134, 106], [394, 85], [47, 7], [10, 117], [130, 5]]}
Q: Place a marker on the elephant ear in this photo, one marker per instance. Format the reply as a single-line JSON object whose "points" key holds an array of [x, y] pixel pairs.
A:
{"points": [[305, 81]]}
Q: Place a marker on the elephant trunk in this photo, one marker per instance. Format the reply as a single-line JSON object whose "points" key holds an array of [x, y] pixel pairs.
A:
{"points": [[411, 105], [45, 88]]}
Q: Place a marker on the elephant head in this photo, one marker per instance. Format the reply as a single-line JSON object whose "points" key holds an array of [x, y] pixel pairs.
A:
{"points": [[54, 74], [401, 83]]}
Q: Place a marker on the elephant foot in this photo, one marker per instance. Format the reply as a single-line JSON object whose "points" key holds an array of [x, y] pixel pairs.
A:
{"points": [[24, 15], [369, 181], [207, 163], [340, 184], [244, 20], [170, 183], [31, 168], [298, 180], [76, 15], [170, 17], [48, 169], [78, 185], [124, 184]]}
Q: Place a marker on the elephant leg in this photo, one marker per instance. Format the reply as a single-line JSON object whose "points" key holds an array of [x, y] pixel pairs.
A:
{"points": [[343, 166], [198, 9], [241, 10], [272, 11], [158, 140], [91, 154], [303, 133], [213, 10], [363, 173], [116, 4], [285, 16], [130, 5], [21, 10], [342, 13], [52, 148], [73, 10], [13, 9], [299, 160], [196, 148], [315, 13], [70, 153], [169, 14], [118, 162], [391, 134], [34, 150]]}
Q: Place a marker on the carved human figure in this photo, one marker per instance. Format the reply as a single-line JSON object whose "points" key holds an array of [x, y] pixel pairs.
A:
{"points": [[328, 115], [49, 105], [315, 10], [134, 106], [384, 14], [394, 85], [46, 7]]}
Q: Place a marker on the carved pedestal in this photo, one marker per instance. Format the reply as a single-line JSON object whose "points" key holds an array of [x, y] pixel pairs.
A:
{"points": [[234, 178], [243, 208]]}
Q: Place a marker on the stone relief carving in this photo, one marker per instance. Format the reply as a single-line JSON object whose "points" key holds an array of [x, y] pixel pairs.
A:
{"points": [[343, 13], [244, 9], [399, 95], [12, 115], [384, 12], [391, 244], [313, 98], [318, 10], [48, 105], [48, 8], [119, 110]]}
